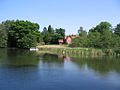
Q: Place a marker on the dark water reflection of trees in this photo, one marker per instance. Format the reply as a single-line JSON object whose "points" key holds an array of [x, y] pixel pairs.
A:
{"points": [[103, 65], [17, 57], [21, 58]]}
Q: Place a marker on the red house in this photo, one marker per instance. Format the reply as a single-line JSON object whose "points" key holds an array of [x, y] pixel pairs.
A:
{"points": [[67, 39]]}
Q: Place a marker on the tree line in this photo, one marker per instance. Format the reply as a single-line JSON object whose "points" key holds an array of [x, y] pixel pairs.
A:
{"points": [[101, 36], [26, 34]]}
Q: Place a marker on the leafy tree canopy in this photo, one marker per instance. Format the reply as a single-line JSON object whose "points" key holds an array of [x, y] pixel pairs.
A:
{"points": [[102, 26], [22, 34]]}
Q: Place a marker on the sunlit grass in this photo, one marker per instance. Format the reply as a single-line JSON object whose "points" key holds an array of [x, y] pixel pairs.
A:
{"points": [[64, 49]]}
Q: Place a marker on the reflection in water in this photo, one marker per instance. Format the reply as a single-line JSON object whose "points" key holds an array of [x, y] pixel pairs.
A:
{"points": [[16, 57], [103, 65], [52, 60], [66, 58], [26, 70]]}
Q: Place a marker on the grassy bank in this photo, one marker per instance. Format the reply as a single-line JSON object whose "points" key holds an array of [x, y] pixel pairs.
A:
{"points": [[63, 49]]}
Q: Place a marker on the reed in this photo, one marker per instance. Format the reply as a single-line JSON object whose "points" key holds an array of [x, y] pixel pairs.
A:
{"points": [[81, 51]]}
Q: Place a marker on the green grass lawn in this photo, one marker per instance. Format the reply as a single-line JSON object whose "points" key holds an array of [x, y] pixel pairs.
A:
{"points": [[54, 46]]}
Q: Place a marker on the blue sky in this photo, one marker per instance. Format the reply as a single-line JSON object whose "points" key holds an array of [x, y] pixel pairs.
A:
{"points": [[68, 14]]}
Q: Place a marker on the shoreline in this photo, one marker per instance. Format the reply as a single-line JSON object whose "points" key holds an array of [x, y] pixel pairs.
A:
{"points": [[79, 51]]}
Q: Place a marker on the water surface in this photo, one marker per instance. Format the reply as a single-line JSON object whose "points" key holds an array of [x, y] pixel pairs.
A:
{"points": [[25, 70]]}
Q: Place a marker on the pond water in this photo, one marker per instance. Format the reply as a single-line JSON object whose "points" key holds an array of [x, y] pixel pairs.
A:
{"points": [[26, 70]]}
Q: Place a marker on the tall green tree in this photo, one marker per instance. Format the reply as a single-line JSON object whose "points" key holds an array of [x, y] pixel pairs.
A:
{"points": [[22, 34], [46, 34], [101, 36], [117, 30], [47, 38], [44, 31], [3, 36], [50, 29], [82, 32]]}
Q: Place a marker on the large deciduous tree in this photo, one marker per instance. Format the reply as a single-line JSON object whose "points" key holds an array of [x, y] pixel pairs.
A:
{"points": [[22, 34]]}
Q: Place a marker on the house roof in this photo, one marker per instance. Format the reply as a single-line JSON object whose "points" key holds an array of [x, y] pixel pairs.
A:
{"points": [[71, 36]]}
